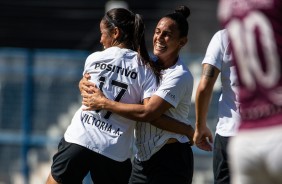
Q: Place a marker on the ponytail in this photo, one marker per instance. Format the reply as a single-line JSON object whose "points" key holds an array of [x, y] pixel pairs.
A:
{"points": [[139, 42]]}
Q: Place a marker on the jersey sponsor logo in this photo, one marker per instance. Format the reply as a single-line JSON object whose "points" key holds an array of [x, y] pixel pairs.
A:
{"points": [[102, 125], [260, 112], [168, 93], [116, 69]]}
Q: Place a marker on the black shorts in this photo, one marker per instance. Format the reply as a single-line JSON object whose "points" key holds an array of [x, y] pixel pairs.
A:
{"points": [[172, 164], [72, 163]]}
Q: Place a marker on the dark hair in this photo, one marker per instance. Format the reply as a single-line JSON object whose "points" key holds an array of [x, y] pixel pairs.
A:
{"points": [[180, 16], [132, 30]]}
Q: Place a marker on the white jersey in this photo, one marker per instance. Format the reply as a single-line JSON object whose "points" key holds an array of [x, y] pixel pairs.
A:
{"points": [[176, 88], [219, 55], [122, 77]]}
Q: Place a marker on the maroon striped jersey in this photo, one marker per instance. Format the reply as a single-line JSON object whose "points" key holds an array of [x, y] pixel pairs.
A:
{"points": [[255, 32]]}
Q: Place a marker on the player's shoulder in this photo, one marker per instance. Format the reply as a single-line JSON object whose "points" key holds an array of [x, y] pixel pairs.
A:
{"points": [[220, 39], [183, 77], [99, 55], [221, 35], [181, 70]]}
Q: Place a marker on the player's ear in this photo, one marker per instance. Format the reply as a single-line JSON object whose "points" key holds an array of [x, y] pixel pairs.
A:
{"points": [[116, 33], [183, 41]]}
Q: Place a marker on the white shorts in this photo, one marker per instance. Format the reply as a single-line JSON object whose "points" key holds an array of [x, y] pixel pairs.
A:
{"points": [[256, 156]]}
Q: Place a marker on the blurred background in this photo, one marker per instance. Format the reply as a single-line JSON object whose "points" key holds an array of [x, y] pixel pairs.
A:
{"points": [[43, 47]]}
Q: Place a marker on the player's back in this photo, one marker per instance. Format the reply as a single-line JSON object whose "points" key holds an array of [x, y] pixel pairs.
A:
{"points": [[115, 70], [122, 77], [255, 31]]}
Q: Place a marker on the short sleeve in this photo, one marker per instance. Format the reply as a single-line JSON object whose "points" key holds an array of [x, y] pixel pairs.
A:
{"points": [[149, 85], [174, 87], [90, 60], [214, 53]]}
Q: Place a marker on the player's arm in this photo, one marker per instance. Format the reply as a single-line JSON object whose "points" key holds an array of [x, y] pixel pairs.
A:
{"points": [[204, 93], [94, 99], [163, 121], [150, 111], [203, 97], [170, 124], [85, 86]]}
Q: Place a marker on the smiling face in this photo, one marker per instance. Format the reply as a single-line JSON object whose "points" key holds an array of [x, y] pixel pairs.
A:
{"points": [[166, 40], [106, 37]]}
